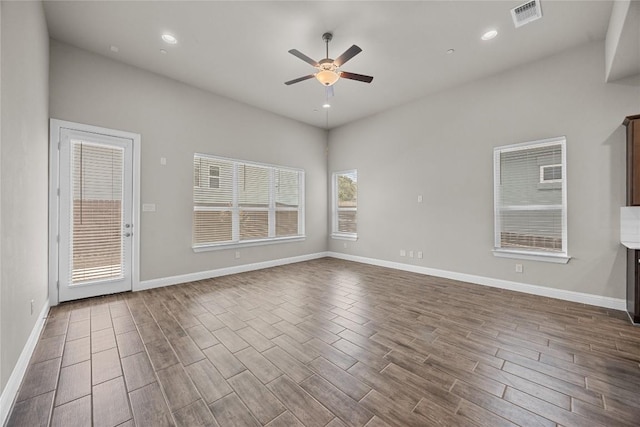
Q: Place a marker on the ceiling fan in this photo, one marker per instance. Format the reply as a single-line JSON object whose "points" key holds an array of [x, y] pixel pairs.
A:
{"points": [[328, 69]]}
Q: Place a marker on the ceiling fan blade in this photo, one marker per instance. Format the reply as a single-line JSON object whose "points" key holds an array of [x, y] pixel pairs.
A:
{"points": [[300, 79], [305, 58], [358, 77], [347, 55]]}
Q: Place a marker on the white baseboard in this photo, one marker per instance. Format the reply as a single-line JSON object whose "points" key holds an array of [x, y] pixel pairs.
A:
{"points": [[11, 389], [590, 299], [202, 275]]}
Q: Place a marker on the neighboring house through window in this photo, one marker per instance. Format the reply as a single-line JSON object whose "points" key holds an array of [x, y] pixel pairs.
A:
{"points": [[530, 198], [345, 205]]}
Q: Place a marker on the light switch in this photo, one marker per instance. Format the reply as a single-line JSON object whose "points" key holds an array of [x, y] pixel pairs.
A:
{"points": [[148, 207], [420, 199]]}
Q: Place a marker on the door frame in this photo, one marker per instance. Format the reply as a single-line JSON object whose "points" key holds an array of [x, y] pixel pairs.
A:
{"points": [[55, 127]]}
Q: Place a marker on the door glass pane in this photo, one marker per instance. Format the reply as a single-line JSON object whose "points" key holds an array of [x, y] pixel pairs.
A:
{"points": [[97, 176]]}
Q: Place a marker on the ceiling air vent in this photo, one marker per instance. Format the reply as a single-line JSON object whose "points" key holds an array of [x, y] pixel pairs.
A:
{"points": [[525, 13]]}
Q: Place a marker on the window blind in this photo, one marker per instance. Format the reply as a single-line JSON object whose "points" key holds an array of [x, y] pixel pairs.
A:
{"points": [[254, 185], [247, 202], [212, 205], [530, 197], [97, 212], [287, 200]]}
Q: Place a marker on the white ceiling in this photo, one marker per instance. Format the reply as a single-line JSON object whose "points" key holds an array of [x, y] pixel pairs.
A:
{"points": [[238, 49]]}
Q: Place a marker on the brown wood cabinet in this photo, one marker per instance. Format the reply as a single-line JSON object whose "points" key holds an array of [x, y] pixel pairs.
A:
{"points": [[633, 160], [633, 199]]}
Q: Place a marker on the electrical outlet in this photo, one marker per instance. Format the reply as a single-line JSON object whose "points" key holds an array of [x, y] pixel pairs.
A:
{"points": [[237, 254], [163, 161], [419, 254], [410, 254], [518, 268], [403, 252]]}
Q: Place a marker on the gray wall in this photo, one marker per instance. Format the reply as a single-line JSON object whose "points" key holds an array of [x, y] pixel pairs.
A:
{"points": [[176, 120], [24, 175], [441, 147]]}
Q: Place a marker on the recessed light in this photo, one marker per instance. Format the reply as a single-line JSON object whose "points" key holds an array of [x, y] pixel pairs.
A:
{"points": [[326, 105], [114, 49], [450, 51], [168, 38], [489, 35]]}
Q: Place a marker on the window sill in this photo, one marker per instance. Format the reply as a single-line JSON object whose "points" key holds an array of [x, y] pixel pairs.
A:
{"points": [[340, 236], [247, 243], [532, 256]]}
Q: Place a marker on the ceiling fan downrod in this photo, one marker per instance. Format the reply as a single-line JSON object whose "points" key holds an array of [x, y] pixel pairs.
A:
{"points": [[327, 37]]}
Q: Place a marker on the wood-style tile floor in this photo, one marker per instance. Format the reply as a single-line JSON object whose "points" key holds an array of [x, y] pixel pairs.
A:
{"points": [[332, 343]]}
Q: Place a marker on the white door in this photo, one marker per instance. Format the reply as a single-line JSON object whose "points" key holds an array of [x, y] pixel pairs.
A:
{"points": [[95, 221]]}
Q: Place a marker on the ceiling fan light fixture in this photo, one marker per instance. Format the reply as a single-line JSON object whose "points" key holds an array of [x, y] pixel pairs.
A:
{"points": [[327, 77]]}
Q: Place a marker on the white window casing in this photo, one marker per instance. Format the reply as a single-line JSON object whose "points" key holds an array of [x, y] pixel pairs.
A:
{"points": [[530, 201]]}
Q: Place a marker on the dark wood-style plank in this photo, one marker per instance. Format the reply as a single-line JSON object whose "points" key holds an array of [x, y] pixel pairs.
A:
{"points": [[225, 362], [348, 409], [230, 411], [110, 403], [149, 407], [208, 381], [40, 378], [32, 412], [299, 402], [138, 371], [75, 413], [260, 401], [105, 366], [177, 387], [195, 415], [74, 382]]}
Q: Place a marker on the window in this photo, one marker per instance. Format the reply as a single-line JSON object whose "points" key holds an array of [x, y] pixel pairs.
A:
{"points": [[214, 177], [245, 203], [550, 173], [530, 200], [345, 205]]}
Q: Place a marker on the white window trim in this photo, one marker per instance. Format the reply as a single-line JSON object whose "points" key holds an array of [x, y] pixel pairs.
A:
{"points": [[548, 181], [534, 255], [335, 234], [235, 210]]}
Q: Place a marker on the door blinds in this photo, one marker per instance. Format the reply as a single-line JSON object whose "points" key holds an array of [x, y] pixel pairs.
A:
{"points": [[97, 212]]}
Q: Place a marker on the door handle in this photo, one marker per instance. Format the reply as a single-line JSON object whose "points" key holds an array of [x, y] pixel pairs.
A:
{"points": [[127, 234]]}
